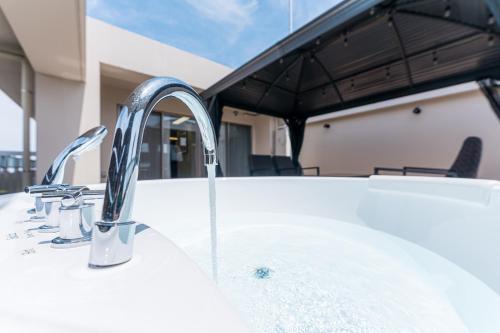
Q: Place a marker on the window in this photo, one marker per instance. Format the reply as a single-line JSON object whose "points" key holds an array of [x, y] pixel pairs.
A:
{"points": [[172, 148]]}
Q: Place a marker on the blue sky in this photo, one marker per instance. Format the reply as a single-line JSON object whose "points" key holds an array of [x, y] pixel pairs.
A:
{"points": [[227, 31]]}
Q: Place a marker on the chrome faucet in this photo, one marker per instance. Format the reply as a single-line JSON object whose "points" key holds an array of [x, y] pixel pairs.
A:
{"points": [[113, 236], [52, 181]]}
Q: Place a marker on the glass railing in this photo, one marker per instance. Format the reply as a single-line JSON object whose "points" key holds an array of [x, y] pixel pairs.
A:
{"points": [[11, 171]]}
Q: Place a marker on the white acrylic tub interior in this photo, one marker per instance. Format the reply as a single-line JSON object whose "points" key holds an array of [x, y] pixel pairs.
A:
{"points": [[384, 254]]}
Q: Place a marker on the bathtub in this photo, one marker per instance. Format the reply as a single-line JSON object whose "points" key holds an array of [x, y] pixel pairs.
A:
{"points": [[308, 254]]}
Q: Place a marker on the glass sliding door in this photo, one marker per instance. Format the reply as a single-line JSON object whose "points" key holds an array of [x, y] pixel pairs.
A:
{"points": [[171, 148], [182, 148], [150, 164], [235, 145]]}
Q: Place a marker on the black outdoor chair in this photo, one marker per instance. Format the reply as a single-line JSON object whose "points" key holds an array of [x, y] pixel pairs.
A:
{"points": [[285, 167], [465, 166], [261, 165]]}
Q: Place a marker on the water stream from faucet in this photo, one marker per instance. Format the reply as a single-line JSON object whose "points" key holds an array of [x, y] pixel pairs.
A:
{"points": [[213, 220]]}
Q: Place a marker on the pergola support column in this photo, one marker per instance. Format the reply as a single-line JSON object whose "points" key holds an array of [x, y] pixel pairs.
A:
{"points": [[296, 127], [488, 88]]}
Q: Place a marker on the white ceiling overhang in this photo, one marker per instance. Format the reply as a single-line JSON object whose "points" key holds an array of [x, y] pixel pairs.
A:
{"points": [[51, 34]]}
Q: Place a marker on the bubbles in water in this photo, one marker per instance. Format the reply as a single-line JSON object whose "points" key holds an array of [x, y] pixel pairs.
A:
{"points": [[263, 273]]}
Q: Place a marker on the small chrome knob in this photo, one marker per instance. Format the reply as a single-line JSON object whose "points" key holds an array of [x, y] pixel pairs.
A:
{"points": [[51, 204], [75, 225], [40, 212]]}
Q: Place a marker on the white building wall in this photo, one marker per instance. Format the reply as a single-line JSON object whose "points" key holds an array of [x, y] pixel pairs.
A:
{"points": [[129, 51], [64, 110], [395, 137], [10, 78]]}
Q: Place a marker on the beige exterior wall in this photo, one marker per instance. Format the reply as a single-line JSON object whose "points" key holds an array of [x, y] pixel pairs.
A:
{"points": [[10, 78], [394, 136], [125, 50], [64, 110], [56, 128], [51, 33]]}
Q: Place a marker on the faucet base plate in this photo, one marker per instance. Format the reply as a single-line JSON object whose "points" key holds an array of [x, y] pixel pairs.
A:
{"points": [[112, 243], [93, 266]]}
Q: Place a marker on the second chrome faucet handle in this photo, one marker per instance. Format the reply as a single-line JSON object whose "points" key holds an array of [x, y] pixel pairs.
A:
{"points": [[41, 189], [59, 196], [76, 217]]}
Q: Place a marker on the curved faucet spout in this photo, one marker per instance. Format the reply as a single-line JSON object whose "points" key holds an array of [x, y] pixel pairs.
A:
{"points": [[112, 238]]}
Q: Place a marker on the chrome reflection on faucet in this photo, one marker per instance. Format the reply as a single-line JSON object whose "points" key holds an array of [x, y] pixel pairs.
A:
{"points": [[113, 236], [52, 181]]}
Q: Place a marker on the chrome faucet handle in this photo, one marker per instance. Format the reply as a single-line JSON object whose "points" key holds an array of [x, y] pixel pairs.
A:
{"points": [[51, 202], [81, 196], [59, 196], [36, 191], [75, 225]]}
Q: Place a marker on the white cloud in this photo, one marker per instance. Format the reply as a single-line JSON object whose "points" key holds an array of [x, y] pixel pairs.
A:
{"points": [[92, 4], [305, 11], [237, 13], [123, 15]]}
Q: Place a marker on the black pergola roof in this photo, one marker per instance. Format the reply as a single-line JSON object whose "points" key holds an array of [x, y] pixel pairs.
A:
{"points": [[364, 51]]}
